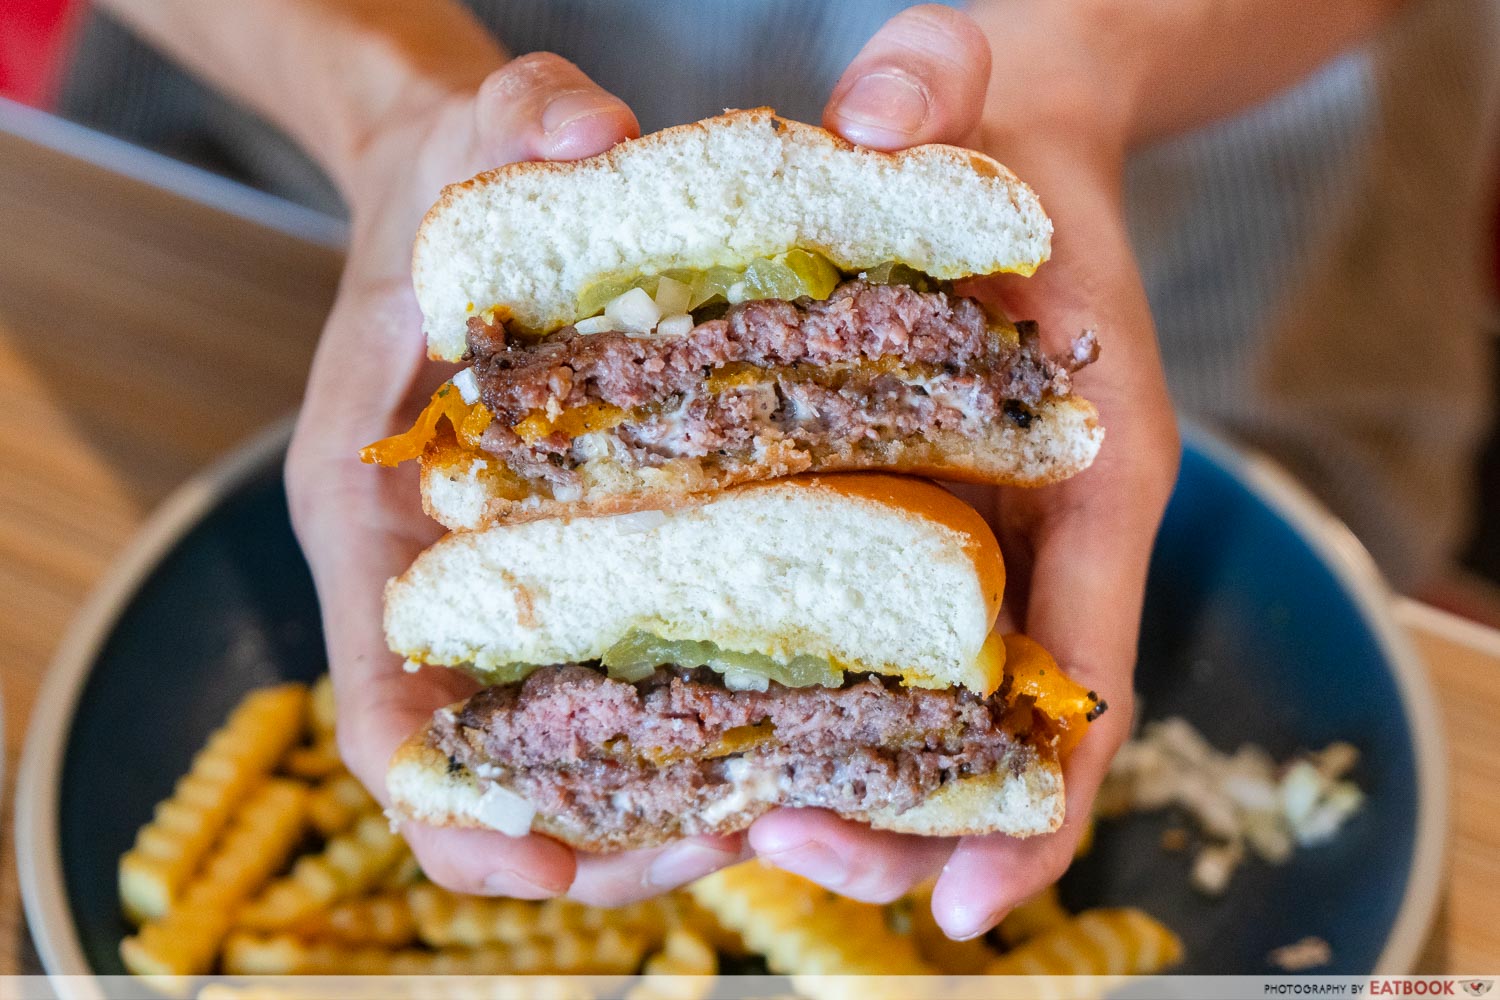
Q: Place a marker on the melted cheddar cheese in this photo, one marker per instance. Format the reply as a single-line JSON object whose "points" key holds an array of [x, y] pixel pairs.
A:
{"points": [[467, 420], [1034, 674], [579, 420]]}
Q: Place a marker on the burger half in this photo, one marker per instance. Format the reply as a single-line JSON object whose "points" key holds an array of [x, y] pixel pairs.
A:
{"points": [[734, 300], [820, 641]]}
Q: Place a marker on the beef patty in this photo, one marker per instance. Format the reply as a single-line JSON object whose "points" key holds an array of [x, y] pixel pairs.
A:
{"points": [[678, 750], [869, 363]]}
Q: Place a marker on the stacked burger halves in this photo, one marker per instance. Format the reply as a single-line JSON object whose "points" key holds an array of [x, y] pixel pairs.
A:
{"points": [[678, 555]]}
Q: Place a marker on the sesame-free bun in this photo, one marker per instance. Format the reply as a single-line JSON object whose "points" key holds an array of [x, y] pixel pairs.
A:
{"points": [[527, 238], [465, 489], [878, 574], [1022, 798]]}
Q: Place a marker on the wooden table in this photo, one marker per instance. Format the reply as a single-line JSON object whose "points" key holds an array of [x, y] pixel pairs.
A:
{"points": [[143, 331]]}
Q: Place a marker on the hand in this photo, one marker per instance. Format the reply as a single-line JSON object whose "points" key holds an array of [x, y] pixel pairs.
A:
{"points": [[360, 525], [1076, 552]]}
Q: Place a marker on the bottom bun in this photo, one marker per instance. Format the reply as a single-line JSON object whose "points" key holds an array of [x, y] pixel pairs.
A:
{"points": [[1021, 801], [463, 489]]}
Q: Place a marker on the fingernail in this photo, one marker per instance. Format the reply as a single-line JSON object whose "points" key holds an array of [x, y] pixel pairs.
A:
{"points": [[682, 864], [964, 926], [574, 106], [883, 108], [518, 886], [812, 860]]}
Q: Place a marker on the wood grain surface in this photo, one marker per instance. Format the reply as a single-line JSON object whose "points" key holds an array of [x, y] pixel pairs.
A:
{"points": [[143, 333]]}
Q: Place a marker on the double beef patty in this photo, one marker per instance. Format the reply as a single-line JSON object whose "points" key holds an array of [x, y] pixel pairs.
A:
{"points": [[665, 753], [869, 363]]}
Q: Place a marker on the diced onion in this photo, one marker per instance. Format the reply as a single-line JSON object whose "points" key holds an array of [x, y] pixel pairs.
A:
{"points": [[634, 311], [676, 325], [642, 520], [673, 296], [594, 324], [504, 810], [745, 680], [467, 386]]}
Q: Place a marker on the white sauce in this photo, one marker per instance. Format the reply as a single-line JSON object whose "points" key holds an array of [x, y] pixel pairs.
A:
{"points": [[751, 786]]}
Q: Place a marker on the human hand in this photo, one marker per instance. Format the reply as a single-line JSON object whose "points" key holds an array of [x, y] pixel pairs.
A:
{"points": [[1076, 552], [359, 525]]}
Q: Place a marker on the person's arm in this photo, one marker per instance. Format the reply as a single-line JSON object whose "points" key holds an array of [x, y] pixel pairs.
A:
{"points": [[332, 74], [1175, 64], [395, 99], [1059, 90]]}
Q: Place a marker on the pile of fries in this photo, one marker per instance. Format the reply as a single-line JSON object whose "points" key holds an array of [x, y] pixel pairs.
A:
{"points": [[270, 859]]}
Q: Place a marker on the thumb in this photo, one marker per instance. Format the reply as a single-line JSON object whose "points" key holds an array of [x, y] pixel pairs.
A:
{"points": [[922, 78], [542, 107]]}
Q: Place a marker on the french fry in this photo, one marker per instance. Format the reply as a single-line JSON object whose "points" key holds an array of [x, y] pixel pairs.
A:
{"points": [[609, 952], [1103, 942], [314, 762], [684, 969], [384, 920], [350, 864], [954, 958], [690, 915], [1033, 916], [169, 849], [257, 843], [403, 874], [804, 930], [447, 920], [337, 802], [320, 709]]}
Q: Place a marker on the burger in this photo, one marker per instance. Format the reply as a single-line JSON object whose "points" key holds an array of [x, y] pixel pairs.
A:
{"points": [[824, 641], [680, 564], [735, 300]]}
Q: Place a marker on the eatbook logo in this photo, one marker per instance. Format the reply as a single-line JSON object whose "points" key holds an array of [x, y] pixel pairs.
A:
{"points": [[1477, 987]]}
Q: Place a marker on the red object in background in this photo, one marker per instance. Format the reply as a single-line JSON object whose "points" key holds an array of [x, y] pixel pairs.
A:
{"points": [[33, 37]]}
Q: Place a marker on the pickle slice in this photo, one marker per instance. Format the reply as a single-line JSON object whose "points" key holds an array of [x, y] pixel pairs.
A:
{"points": [[509, 673], [593, 299], [816, 272], [639, 653], [896, 273], [790, 275]]}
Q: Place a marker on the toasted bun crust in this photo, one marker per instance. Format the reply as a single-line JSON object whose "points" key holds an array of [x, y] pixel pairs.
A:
{"points": [[460, 488], [880, 576], [1022, 803], [528, 237]]}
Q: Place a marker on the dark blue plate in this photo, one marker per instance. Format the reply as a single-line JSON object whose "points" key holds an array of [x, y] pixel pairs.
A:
{"points": [[1264, 621]]}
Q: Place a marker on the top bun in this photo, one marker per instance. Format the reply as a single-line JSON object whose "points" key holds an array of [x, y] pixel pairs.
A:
{"points": [[527, 238], [878, 574]]}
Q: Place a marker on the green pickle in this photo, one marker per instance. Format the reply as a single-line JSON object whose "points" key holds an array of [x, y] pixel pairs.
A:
{"points": [[637, 655], [790, 275], [509, 673], [895, 273]]}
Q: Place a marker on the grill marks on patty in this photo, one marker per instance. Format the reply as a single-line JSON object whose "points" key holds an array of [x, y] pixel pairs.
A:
{"points": [[613, 756]]}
